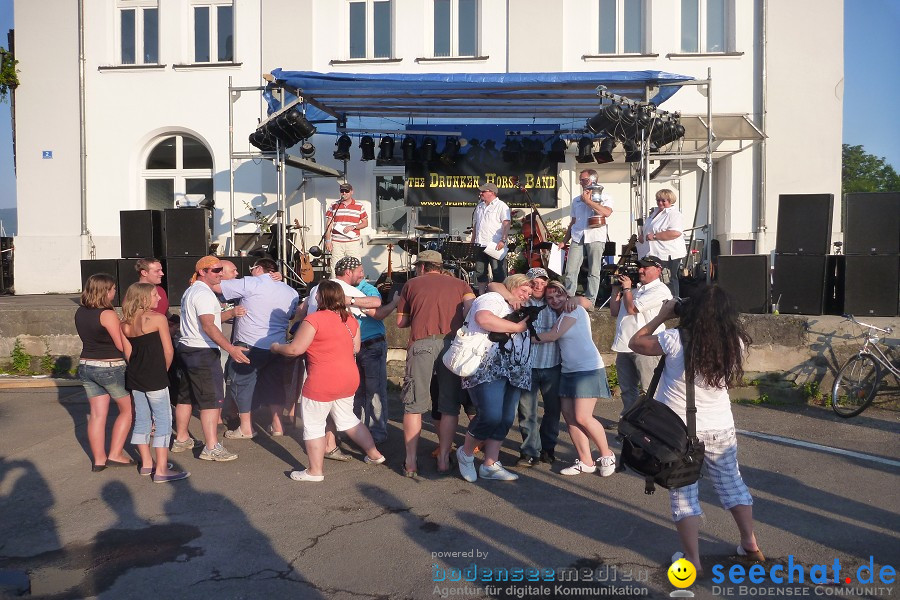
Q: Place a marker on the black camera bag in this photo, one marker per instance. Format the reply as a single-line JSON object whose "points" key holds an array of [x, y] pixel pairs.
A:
{"points": [[655, 441]]}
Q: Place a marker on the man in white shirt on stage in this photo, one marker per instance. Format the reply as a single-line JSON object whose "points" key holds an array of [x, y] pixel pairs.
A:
{"points": [[587, 240], [490, 226]]}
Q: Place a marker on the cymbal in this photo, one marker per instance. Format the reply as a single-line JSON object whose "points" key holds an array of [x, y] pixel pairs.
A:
{"points": [[383, 241], [411, 246], [428, 229]]}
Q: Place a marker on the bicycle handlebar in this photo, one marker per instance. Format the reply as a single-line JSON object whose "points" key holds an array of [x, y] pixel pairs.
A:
{"points": [[853, 319]]}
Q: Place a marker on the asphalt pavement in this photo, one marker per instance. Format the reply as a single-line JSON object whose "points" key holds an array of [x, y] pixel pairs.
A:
{"points": [[825, 489]]}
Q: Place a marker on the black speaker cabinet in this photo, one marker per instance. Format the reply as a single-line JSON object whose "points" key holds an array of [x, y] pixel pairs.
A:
{"points": [[804, 224], [185, 232], [872, 224], [872, 285], [804, 284], [746, 279], [141, 233], [101, 265], [179, 270]]}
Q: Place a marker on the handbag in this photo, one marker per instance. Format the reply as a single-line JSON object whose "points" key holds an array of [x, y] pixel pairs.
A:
{"points": [[467, 351], [656, 443]]}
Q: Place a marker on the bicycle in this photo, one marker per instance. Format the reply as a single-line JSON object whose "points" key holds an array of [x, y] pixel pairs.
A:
{"points": [[858, 380]]}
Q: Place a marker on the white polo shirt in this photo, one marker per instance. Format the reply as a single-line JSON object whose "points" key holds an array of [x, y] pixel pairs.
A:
{"points": [[647, 299], [488, 222]]}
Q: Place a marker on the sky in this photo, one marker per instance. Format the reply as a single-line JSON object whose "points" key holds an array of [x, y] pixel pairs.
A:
{"points": [[871, 84]]}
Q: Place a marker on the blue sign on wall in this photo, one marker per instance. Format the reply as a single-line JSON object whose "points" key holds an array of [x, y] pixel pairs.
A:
{"points": [[45, 154]]}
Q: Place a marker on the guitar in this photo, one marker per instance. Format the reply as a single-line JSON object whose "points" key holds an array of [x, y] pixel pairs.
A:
{"points": [[304, 265]]}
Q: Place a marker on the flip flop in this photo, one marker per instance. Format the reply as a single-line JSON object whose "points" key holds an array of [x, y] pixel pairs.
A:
{"points": [[119, 463]]}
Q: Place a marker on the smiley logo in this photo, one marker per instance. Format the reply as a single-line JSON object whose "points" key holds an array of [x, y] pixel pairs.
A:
{"points": [[682, 573]]}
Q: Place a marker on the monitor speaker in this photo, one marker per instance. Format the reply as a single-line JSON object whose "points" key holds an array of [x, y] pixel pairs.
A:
{"points": [[179, 270], [802, 283], [746, 279], [101, 265], [185, 232], [804, 223], [141, 233], [126, 274], [872, 285], [872, 223]]}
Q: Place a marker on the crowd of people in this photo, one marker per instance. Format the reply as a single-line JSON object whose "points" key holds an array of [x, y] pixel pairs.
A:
{"points": [[331, 365]]}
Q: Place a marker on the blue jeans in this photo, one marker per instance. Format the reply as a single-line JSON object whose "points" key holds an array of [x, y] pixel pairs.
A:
{"points": [[496, 403], [498, 268], [634, 371], [371, 401], [261, 382], [533, 439], [156, 404], [574, 259], [671, 268]]}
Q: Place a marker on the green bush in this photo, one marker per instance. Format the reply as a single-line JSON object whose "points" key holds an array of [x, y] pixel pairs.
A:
{"points": [[21, 360], [612, 377]]}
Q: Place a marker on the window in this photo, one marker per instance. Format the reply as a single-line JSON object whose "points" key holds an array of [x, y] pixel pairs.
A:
{"points": [[214, 33], [138, 32], [176, 166], [390, 212], [704, 26], [455, 28], [621, 27], [370, 28]]}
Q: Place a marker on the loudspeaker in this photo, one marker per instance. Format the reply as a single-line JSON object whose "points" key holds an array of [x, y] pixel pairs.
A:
{"points": [[185, 232], [746, 278], [126, 274], [179, 270], [141, 233], [872, 224], [102, 265], [804, 223], [872, 285], [799, 283]]}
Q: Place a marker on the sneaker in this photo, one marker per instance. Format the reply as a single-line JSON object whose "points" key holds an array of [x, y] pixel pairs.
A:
{"points": [[305, 476], [238, 434], [496, 471], [607, 465], [466, 466], [578, 468], [219, 454], [374, 461], [182, 446]]}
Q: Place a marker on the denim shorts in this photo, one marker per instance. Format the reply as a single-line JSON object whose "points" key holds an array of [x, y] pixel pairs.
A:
{"points": [[584, 384], [99, 381]]}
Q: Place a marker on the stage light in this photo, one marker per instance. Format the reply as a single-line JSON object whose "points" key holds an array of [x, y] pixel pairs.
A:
{"points": [[428, 148], [604, 155], [666, 133], [367, 147], [605, 120], [632, 151], [635, 119], [262, 140], [585, 145], [343, 147], [386, 149], [558, 150], [451, 149], [307, 151], [409, 148]]}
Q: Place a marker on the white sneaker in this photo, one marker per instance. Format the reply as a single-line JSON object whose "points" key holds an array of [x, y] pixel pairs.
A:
{"points": [[466, 465], [496, 471], [238, 434], [607, 465], [305, 476], [578, 468], [218, 454], [374, 461]]}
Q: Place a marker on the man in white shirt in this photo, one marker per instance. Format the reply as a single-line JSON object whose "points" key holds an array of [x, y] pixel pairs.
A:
{"points": [[633, 309], [585, 240], [490, 226]]}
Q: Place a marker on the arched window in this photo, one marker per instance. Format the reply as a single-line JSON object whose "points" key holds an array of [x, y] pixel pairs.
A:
{"points": [[177, 166]]}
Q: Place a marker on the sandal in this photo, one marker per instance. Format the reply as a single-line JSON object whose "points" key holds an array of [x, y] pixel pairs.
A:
{"points": [[119, 463], [336, 454], [410, 474], [755, 555]]}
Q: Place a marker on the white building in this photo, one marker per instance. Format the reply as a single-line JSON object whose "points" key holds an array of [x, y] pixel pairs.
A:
{"points": [[124, 104]]}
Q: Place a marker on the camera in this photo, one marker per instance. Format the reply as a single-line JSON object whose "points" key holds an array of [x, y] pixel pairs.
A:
{"points": [[680, 304]]}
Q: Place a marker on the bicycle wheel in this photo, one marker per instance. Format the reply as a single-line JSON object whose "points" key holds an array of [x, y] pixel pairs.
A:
{"points": [[855, 385]]}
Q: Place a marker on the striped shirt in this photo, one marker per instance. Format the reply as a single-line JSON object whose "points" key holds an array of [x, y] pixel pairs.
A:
{"points": [[351, 213]]}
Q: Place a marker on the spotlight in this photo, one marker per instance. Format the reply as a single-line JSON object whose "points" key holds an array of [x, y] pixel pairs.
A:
{"points": [[343, 147], [635, 118], [604, 155], [307, 151], [558, 150], [451, 149], [386, 149], [367, 147], [632, 151], [605, 120], [262, 140], [290, 127], [428, 149], [409, 148], [585, 145], [666, 133]]}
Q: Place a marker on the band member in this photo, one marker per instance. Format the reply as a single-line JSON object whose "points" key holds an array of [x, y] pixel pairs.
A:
{"points": [[585, 239], [346, 218], [490, 225]]}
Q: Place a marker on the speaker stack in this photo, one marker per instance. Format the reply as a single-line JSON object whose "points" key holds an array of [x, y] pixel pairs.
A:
{"points": [[805, 273], [871, 261], [746, 278]]}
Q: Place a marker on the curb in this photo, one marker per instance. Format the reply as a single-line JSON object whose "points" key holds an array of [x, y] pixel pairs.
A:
{"points": [[45, 382]]}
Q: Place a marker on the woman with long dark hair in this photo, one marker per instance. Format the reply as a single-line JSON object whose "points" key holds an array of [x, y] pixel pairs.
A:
{"points": [[714, 340], [149, 352], [101, 370], [330, 339]]}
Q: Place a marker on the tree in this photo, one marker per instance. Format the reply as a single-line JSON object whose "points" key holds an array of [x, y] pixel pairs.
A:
{"points": [[864, 172]]}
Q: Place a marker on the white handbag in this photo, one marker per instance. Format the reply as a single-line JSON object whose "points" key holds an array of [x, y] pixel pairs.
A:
{"points": [[466, 352]]}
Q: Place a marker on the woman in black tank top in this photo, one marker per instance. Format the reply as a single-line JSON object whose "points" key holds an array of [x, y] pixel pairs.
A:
{"points": [[101, 369], [149, 351]]}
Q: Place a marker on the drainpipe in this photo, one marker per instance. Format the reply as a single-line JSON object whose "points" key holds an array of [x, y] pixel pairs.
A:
{"points": [[81, 133], [761, 224]]}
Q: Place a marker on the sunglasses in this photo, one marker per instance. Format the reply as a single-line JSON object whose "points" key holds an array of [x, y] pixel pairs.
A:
{"points": [[345, 191], [216, 270]]}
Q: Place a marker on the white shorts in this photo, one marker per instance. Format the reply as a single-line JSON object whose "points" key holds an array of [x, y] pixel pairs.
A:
{"points": [[315, 413]]}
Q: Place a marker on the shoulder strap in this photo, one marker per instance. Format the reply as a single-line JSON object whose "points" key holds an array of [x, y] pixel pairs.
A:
{"points": [[651, 391], [691, 407]]}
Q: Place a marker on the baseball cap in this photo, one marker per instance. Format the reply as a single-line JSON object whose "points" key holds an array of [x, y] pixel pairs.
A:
{"points": [[488, 187], [650, 261], [348, 263], [429, 256], [537, 272], [346, 187]]}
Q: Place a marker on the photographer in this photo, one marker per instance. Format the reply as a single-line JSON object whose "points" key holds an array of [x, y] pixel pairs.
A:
{"points": [[497, 384], [633, 308]]}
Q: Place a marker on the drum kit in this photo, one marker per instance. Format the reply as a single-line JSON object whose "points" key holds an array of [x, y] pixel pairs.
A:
{"points": [[459, 255]]}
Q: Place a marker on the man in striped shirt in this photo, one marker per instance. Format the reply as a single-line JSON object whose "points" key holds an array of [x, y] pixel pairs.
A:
{"points": [[346, 218]]}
